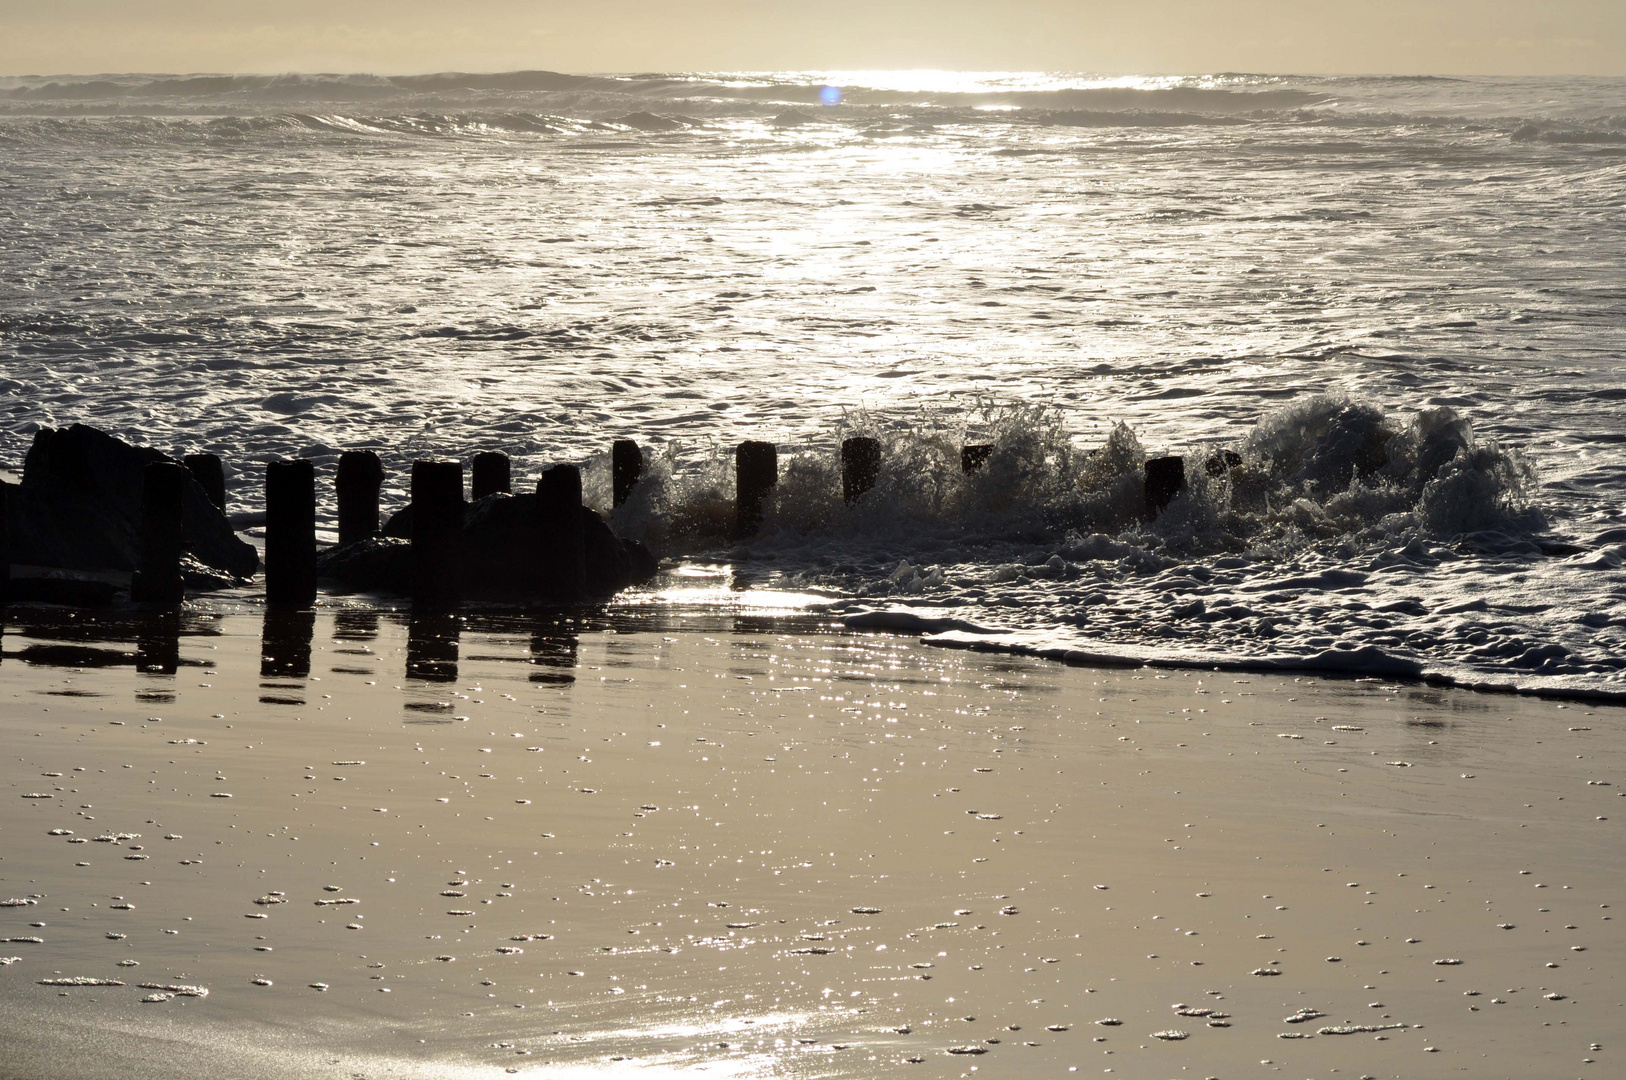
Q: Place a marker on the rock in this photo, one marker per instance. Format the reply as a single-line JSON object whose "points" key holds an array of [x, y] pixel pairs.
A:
{"points": [[78, 507], [502, 546]]}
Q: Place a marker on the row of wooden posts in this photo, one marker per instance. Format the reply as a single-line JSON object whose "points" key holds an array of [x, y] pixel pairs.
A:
{"points": [[437, 508]]}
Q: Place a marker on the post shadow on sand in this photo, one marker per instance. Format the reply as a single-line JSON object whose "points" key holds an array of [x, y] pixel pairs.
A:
{"points": [[553, 654], [158, 643], [432, 643], [285, 643]]}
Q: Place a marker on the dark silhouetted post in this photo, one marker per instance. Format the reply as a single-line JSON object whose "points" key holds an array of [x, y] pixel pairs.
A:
{"points": [[5, 542], [360, 476], [860, 466], [163, 534], [975, 456], [491, 471], [626, 469], [211, 474], [1165, 476], [756, 471], [563, 553], [437, 532], [290, 533]]}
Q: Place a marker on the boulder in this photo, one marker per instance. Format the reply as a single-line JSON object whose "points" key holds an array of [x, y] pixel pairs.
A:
{"points": [[502, 554], [78, 507]]}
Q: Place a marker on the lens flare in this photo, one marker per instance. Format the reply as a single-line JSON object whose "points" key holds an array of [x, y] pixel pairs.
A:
{"points": [[830, 95]]}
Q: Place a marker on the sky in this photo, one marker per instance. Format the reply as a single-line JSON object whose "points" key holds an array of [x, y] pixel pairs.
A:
{"points": [[1454, 37]]}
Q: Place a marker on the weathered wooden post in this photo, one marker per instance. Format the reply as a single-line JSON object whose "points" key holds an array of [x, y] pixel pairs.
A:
{"points": [[290, 533], [491, 474], [5, 543], [756, 471], [860, 466], [360, 476], [211, 474], [626, 469], [563, 542], [437, 533], [1165, 476], [974, 456], [163, 534]]}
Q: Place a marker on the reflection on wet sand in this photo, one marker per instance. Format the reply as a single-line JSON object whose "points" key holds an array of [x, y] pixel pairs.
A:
{"points": [[432, 641], [285, 644], [553, 652], [761, 848], [158, 644]]}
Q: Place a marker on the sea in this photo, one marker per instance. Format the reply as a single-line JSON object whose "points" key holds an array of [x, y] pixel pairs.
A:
{"points": [[1382, 320]]}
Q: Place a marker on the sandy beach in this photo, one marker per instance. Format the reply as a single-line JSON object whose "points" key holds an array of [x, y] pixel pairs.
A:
{"points": [[358, 845]]}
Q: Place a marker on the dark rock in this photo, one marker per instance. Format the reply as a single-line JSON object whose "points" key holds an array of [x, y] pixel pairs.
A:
{"points": [[79, 507], [163, 493], [69, 592], [974, 455], [502, 555]]}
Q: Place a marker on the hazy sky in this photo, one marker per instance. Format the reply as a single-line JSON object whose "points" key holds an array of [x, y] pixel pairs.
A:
{"points": [[1110, 36]]}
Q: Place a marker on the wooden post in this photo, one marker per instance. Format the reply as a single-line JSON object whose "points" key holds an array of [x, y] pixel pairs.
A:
{"points": [[5, 542], [563, 548], [360, 476], [860, 466], [211, 474], [1165, 476], [290, 533], [756, 471], [437, 533], [975, 456], [491, 472], [163, 534], [626, 469]]}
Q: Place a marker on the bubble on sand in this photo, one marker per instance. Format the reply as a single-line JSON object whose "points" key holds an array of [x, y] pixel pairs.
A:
{"points": [[968, 1049], [1110, 1022], [37, 795], [319, 987], [221, 795], [60, 832], [129, 963], [155, 999], [1358, 1029], [260, 981], [1264, 971], [1171, 1035], [866, 911], [1447, 963]]}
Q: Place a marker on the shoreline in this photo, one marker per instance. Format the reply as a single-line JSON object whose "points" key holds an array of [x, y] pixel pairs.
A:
{"points": [[722, 837]]}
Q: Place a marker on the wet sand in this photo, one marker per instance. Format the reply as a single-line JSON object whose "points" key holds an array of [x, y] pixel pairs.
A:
{"points": [[764, 847]]}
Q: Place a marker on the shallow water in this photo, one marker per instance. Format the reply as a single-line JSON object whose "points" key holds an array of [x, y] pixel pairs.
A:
{"points": [[757, 847], [543, 263]]}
